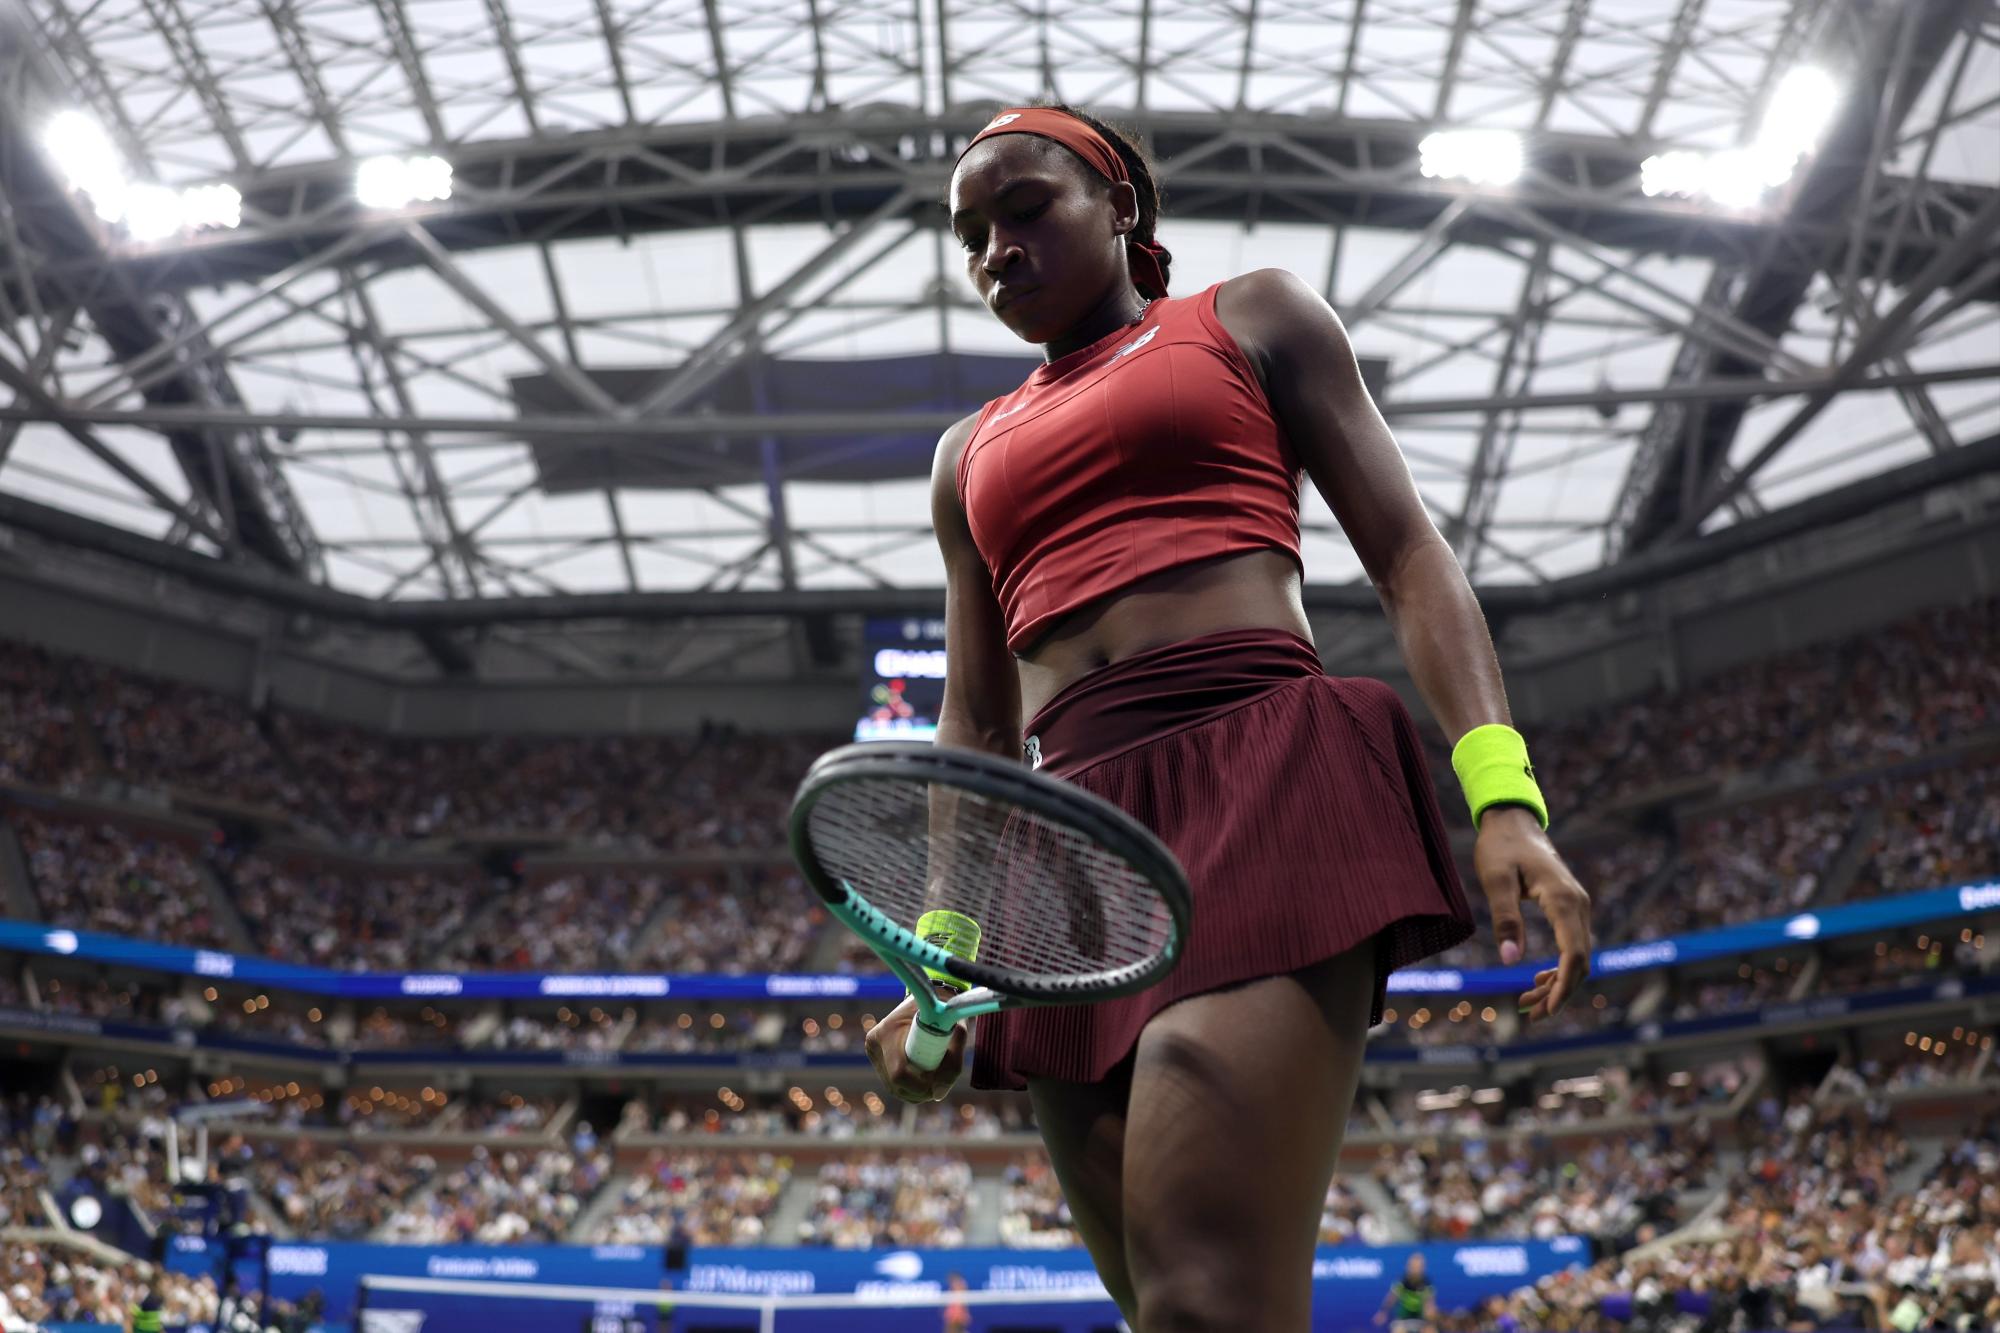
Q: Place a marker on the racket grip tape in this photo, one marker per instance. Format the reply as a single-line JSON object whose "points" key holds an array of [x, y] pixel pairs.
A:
{"points": [[927, 1046], [954, 932]]}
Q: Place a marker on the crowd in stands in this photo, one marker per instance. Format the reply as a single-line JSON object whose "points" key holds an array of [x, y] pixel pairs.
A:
{"points": [[1923, 682], [1525, 1185], [1937, 828], [1913, 959], [1346, 1220], [353, 917], [1815, 1233], [708, 1199], [1766, 981], [762, 918], [566, 1030], [502, 1197], [1888, 696], [120, 878], [573, 922], [831, 1114], [337, 1192], [65, 1284], [37, 721], [889, 1200], [1033, 1214], [1744, 866]]}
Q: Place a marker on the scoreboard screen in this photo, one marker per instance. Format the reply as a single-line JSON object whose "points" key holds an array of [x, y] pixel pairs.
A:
{"points": [[902, 679]]}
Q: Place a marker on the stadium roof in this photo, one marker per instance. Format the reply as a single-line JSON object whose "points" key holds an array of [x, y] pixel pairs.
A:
{"points": [[688, 320]]}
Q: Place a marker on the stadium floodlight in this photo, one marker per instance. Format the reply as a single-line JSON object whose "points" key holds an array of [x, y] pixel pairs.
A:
{"points": [[83, 152], [152, 212], [1801, 107], [1739, 177], [219, 206], [395, 182], [1682, 173], [1482, 157]]}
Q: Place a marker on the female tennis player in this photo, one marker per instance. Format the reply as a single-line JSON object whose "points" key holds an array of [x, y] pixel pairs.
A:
{"points": [[1121, 540]]}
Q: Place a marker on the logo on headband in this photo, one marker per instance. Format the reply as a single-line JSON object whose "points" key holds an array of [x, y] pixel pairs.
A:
{"points": [[1007, 119]]}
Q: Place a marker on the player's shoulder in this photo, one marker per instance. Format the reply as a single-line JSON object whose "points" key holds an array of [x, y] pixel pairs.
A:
{"points": [[1276, 316], [1265, 286], [951, 446]]}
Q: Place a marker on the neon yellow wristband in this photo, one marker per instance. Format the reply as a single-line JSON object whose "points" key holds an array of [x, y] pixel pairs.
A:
{"points": [[954, 932], [1493, 769]]}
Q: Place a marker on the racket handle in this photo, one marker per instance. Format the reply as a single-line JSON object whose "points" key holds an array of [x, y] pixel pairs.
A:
{"points": [[927, 1046]]}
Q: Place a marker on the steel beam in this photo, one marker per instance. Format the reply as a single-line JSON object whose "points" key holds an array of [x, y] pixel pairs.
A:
{"points": [[1888, 53], [1881, 339], [1927, 474], [658, 177], [551, 429]]}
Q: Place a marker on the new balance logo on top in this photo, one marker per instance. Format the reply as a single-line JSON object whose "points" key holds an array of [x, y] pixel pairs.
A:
{"points": [[1009, 412], [1136, 343], [1007, 119]]}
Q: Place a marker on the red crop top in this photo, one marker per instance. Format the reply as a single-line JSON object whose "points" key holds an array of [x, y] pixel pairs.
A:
{"points": [[1152, 447]]}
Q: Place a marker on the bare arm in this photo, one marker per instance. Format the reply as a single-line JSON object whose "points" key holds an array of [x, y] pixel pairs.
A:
{"points": [[981, 711], [1315, 388], [982, 691]]}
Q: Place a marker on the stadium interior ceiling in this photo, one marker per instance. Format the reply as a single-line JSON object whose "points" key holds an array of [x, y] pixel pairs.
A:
{"points": [[472, 340]]}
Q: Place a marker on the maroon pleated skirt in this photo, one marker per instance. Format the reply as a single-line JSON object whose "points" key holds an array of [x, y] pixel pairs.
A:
{"points": [[1299, 803]]}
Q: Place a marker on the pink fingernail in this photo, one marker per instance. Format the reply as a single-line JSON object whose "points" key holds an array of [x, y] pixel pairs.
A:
{"points": [[1510, 952]]}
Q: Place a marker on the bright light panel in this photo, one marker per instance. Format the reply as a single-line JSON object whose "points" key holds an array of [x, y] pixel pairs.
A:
{"points": [[395, 182], [1802, 105], [84, 154], [1739, 177], [1681, 173], [1483, 157], [211, 206], [152, 212], [82, 151]]}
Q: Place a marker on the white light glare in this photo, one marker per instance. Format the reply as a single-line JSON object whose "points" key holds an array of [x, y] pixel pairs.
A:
{"points": [[1801, 107], [211, 206], [152, 212], [1682, 173], [1483, 157], [393, 182], [82, 151], [1738, 177]]}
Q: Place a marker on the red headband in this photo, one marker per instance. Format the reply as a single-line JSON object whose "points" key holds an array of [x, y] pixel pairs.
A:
{"points": [[1075, 135]]}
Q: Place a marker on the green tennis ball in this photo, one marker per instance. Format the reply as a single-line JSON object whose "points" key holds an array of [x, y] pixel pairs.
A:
{"points": [[954, 932]]}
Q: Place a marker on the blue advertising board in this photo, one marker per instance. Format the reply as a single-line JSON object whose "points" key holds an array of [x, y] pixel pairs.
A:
{"points": [[1823, 1009], [1349, 1282], [1906, 909]]}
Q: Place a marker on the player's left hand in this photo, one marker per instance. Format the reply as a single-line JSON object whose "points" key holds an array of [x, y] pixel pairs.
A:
{"points": [[1514, 859]]}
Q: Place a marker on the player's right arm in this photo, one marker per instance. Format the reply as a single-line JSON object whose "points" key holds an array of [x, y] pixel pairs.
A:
{"points": [[982, 691], [981, 711]]}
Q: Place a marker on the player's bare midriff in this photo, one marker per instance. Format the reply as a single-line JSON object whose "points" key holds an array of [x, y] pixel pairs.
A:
{"points": [[1251, 590]]}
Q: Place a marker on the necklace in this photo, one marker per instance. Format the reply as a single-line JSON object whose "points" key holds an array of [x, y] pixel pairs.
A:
{"points": [[1144, 306]]}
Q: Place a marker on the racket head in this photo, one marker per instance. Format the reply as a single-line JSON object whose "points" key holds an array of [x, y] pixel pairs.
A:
{"points": [[860, 832]]}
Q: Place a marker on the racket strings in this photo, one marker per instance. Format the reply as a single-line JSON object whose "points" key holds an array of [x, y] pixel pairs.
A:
{"points": [[1049, 899]]}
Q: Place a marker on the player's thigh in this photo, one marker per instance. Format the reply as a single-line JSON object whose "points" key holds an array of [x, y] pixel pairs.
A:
{"points": [[1083, 1126], [1239, 1102]]}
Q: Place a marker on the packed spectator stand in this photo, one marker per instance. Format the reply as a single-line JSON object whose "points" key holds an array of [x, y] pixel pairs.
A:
{"points": [[297, 835]]}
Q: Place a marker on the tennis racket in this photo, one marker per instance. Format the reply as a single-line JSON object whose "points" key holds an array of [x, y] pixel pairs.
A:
{"points": [[975, 876]]}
